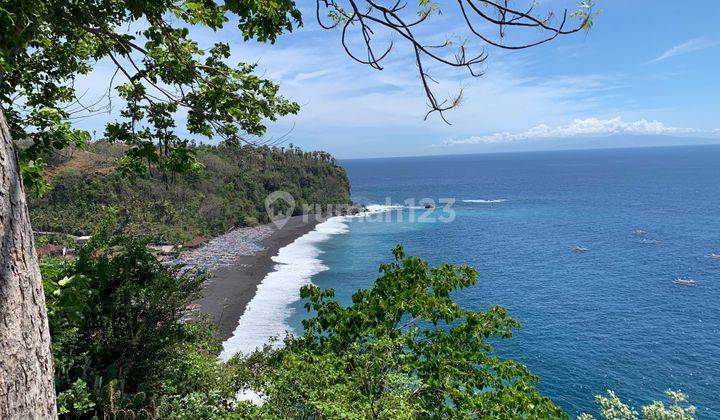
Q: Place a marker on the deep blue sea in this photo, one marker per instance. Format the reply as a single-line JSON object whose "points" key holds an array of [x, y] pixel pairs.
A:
{"points": [[608, 318]]}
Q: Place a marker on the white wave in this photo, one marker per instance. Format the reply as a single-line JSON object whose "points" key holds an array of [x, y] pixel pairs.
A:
{"points": [[499, 200], [376, 209], [383, 208], [267, 313]]}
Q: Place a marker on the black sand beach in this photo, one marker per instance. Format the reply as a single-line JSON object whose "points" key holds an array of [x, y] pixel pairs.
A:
{"points": [[231, 288]]}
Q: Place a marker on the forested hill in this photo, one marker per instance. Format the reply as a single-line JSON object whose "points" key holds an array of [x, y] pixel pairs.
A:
{"points": [[230, 191]]}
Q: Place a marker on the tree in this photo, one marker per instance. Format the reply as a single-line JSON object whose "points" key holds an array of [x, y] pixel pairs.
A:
{"points": [[161, 73], [44, 45], [26, 381], [402, 349]]}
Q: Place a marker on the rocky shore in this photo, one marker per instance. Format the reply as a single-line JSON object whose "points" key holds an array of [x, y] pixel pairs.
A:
{"points": [[225, 250], [238, 262]]}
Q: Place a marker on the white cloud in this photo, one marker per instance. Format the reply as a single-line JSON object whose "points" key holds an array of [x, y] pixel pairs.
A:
{"points": [[695, 44], [578, 128], [339, 94]]}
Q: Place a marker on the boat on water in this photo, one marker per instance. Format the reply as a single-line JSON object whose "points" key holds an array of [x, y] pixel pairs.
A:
{"points": [[640, 232], [579, 248], [714, 256], [685, 282]]}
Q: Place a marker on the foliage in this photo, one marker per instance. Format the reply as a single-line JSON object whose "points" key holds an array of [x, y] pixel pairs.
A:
{"points": [[612, 408], [679, 408], [46, 238], [230, 192], [587, 13], [75, 400], [403, 349], [162, 75], [121, 339], [68, 295], [195, 405]]}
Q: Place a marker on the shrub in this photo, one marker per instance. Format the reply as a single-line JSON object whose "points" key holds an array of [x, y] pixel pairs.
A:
{"points": [[75, 401], [121, 338]]}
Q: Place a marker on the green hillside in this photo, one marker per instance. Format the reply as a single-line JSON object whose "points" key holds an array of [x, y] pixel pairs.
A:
{"points": [[229, 192]]}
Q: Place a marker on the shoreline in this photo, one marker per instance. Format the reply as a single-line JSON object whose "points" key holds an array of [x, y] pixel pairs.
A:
{"points": [[230, 289]]}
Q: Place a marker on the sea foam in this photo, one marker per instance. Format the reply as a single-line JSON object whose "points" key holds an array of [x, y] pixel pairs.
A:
{"points": [[267, 313], [380, 208]]}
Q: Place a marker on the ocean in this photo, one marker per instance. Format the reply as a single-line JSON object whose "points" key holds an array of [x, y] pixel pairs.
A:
{"points": [[582, 247]]}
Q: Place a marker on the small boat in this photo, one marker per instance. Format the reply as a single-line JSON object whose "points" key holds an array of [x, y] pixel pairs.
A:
{"points": [[714, 256], [685, 282], [640, 232], [579, 248]]}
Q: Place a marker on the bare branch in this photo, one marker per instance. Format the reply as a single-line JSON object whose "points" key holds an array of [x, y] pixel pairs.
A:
{"points": [[365, 17]]}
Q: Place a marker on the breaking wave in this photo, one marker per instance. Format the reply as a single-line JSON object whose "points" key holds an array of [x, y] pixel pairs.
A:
{"points": [[267, 313]]}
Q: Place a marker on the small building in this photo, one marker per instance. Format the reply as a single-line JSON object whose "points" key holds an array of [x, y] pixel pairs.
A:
{"points": [[195, 243], [162, 249]]}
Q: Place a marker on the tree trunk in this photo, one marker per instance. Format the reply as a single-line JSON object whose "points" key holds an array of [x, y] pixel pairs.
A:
{"points": [[27, 389]]}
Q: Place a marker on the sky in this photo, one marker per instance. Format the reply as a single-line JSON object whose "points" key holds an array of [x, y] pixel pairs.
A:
{"points": [[646, 68]]}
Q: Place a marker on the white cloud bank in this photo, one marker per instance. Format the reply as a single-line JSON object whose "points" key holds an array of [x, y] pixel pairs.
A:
{"points": [[695, 44], [578, 128]]}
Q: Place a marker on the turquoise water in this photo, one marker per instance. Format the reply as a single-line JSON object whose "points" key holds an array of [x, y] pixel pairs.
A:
{"points": [[609, 318]]}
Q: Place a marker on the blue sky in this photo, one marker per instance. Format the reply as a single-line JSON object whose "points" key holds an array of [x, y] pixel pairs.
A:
{"points": [[646, 68]]}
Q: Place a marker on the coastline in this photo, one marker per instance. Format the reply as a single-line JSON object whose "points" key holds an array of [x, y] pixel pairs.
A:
{"points": [[230, 289], [266, 314]]}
